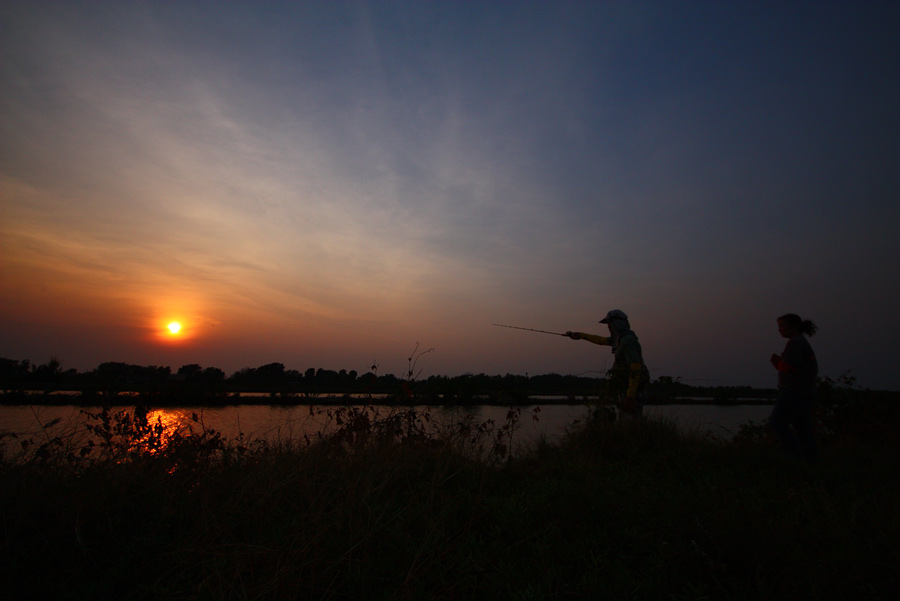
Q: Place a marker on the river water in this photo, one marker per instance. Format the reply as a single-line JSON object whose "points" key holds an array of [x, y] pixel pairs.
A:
{"points": [[279, 422]]}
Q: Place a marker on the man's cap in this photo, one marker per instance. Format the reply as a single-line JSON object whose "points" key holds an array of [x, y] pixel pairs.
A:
{"points": [[614, 315]]}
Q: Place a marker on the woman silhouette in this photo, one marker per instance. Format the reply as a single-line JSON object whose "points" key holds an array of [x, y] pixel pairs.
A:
{"points": [[791, 419]]}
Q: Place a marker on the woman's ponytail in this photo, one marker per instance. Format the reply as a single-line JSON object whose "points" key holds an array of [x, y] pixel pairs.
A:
{"points": [[808, 327]]}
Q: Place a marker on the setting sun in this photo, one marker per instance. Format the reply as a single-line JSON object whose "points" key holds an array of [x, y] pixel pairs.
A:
{"points": [[174, 328]]}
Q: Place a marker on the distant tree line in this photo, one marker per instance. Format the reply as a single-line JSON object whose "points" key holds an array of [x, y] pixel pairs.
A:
{"points": [[211, 384]]}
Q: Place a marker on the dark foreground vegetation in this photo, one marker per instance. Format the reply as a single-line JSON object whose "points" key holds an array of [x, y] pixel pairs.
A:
{"points": [[386, 507], [22, 382]]}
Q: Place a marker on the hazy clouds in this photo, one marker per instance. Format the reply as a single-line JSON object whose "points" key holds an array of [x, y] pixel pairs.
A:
{"points": [[321, 183]]}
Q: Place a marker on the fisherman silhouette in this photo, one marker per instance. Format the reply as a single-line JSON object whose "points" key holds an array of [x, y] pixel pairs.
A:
{"points": [[628, 377]]}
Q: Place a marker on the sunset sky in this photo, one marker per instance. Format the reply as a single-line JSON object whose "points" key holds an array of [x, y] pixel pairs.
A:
{"points": [[326, 184]]}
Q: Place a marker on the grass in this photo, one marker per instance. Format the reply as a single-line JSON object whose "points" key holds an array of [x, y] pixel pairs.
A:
{"points": [[627, 509]]}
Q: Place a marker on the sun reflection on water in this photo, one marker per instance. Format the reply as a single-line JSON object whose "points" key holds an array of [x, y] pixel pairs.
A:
{"points": [[153, 432]]}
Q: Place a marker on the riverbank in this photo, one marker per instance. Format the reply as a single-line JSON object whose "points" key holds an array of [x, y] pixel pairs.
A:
{"points": [[226, 399], [618, 509], [193, 384]]}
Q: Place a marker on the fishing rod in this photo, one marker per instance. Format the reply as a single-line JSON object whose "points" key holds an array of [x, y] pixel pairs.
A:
{"points": [[500, 325]]}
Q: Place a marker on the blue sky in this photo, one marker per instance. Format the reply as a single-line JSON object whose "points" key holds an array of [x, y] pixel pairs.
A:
{"points": [[327, 184]]}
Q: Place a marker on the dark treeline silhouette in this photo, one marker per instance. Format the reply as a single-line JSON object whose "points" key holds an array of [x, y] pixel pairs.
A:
{"points": [[20, 380]]}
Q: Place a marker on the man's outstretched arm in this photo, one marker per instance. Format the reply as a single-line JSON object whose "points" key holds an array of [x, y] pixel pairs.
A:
{"points": [[596, 339]]}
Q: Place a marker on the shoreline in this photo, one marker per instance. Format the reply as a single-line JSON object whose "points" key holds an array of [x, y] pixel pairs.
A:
{"points": [[124, 398]]}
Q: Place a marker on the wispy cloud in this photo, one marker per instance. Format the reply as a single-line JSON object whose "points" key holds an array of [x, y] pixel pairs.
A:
{"points": [[337, 173]]}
